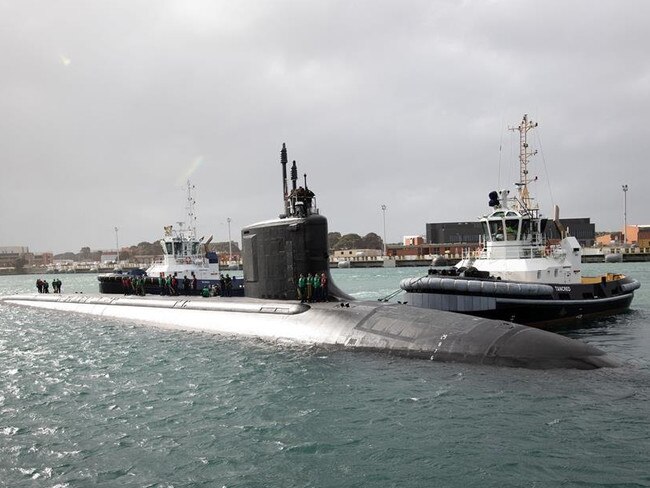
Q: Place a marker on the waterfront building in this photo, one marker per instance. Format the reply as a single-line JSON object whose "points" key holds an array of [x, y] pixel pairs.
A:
{"points": [[637, 234], [643, 236], [10, 255], [582, 229], [425, 251], [413, 240], [108, 257], [607, 239]]}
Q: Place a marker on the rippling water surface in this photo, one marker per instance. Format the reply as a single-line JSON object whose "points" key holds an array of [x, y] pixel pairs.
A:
{"points": [[86, 401]]}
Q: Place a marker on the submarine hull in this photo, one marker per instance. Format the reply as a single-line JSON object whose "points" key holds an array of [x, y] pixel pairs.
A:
{"points": [[391, 328]]}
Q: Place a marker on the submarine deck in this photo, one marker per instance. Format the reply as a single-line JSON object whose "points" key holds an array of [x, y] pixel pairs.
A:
{"points": [[393, 328], [217, 304]]}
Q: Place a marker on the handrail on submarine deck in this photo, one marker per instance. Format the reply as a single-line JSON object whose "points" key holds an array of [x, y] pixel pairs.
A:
{"points": [[268, 307], [390, 295], [397, 292]]}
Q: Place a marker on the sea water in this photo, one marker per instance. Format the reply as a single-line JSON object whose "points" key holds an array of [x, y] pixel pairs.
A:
{"points": [[88, 401]]}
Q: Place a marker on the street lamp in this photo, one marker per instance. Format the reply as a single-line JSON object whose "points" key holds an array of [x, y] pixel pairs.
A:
{"points": [[229, 242], [117, 245], [625, 215], [383, 210]]}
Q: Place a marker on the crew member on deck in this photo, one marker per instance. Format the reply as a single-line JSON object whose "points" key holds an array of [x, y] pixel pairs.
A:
{"points": [[186, 285], [161, 283], [323, 287], [228, 285], [310, 287], [316, 284], [302, 288]]}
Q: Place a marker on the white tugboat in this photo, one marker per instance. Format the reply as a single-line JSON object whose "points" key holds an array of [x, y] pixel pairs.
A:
{"points": [[516, 274], [185, 257]]}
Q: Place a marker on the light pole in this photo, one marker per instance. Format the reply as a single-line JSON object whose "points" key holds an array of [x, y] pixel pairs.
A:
{"points": [[383, 210], [117, 246], [229, 242], [624, 215]]}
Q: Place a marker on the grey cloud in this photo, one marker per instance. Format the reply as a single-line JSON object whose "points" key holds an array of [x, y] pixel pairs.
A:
{"points": [[105, 106]]}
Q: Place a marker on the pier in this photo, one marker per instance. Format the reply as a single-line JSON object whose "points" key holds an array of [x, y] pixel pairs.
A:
{"points": [[388, 262], [630, 255]]}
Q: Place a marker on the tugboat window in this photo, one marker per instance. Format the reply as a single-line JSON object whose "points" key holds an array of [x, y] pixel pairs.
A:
{"points": [[512, 227], [525, 229], [496, 230]]}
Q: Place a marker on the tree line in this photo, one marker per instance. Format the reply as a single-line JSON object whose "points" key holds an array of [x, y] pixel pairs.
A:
{"points": [[142, 249], [335, 240], [338, 242]]}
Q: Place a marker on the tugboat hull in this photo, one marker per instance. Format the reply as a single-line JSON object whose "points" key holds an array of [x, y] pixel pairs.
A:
{"points": [[544, 306], [112, 284]]}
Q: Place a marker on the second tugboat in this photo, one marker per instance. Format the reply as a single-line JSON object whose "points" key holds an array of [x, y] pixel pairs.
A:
{"points": [[517, 275], [186, 262]]}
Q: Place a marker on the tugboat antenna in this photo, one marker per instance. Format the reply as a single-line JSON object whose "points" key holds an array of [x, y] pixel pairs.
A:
{"points": [[524, 155], [191, 217]]}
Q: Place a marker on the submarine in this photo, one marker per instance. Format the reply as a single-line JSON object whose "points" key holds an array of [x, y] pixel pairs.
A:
{"points": [[275, 253]]}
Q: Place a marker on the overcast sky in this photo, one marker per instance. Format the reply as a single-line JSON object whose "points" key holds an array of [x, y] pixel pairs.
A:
{"points": [[107, 107]]}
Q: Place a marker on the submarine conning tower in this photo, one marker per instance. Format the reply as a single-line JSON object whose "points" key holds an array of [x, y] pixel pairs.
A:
{"points": [[276, 252]]}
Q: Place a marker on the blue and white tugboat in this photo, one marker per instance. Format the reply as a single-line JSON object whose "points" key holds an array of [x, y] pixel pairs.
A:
{"points": [[185, 257], [516, 274]]}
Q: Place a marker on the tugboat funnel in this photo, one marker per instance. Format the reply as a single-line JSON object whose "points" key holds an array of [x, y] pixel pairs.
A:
{"points": [[556, 220]]}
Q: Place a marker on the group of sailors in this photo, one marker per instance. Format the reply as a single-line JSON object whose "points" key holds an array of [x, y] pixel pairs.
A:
{"points": [[224, 288], [133, 285], [172, 285], [312, 288], [169, 285], [44, 287]]}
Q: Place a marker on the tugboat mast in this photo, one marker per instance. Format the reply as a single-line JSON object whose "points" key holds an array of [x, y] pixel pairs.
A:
{"points": [[524, 155], [191, 217]]}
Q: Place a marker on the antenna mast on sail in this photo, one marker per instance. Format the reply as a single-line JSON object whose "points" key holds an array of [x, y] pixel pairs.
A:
{"points": [[524, 155], [285, 189]]}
